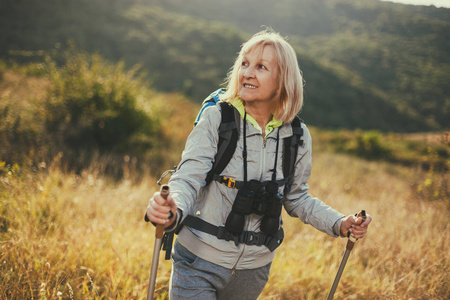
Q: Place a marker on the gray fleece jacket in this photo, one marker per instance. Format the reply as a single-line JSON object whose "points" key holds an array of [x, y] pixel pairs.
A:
{"points": [[213, 202]]}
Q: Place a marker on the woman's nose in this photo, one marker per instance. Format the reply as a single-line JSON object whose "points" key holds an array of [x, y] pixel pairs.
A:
{"points": [[249, 72]]}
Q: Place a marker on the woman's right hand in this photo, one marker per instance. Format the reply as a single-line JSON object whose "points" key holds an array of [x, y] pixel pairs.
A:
{"points": [[162, 211]]}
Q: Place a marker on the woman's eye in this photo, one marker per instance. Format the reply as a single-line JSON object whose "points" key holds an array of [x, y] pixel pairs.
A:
{"points": [[262, 67], [244, 64]]}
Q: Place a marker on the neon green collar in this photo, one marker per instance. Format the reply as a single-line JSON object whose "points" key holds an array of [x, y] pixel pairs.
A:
{"points": [[239, 105]]}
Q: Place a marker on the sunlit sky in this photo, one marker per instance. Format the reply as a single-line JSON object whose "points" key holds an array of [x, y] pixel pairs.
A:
{"points": [[437, 3]]}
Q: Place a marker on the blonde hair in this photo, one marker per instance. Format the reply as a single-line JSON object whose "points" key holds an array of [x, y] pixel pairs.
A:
{"points": [[290, 81]]}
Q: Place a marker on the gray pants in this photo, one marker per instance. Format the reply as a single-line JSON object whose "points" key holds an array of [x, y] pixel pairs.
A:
{"points": [[195, 278]]}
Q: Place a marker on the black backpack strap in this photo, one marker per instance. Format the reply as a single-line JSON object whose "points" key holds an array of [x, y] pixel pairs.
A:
{"points": [[228, 137], [246, 237], [291, 145], [167, 243]]}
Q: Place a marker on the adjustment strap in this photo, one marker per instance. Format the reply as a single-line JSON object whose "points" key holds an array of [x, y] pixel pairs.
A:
{"points": [[229, 182], [166, 245]]}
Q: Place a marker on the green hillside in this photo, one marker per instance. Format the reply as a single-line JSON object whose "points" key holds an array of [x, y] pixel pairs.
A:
{"points": [[400, 51], [367, 64]]}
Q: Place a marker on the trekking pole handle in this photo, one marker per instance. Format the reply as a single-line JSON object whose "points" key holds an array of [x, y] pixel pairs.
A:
{"points": [[159, 233], [351, 240], [164, 192]]}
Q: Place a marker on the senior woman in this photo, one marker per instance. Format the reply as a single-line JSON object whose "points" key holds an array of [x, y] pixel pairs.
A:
{"points": [[265, 87]]}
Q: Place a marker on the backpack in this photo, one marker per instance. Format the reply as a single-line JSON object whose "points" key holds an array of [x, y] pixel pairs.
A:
{"points": [[229, 135], [228, 138]]}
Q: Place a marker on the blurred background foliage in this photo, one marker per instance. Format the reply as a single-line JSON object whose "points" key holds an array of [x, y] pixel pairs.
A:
{"points": [[107, 77], [367, 64], [79, 111]]}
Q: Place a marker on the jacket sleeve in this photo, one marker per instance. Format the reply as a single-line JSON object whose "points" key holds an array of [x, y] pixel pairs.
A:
{"points": [[196, 161], [299, 203]]}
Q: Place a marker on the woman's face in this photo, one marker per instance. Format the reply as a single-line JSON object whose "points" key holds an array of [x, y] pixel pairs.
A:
{"points": [[258, 75]]}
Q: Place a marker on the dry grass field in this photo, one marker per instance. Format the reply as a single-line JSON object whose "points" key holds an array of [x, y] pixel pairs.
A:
{"points": [[67, 236], [82, 236]]}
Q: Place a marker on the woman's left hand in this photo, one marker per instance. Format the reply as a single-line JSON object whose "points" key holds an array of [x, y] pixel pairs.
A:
{"points": [[355, 226]]}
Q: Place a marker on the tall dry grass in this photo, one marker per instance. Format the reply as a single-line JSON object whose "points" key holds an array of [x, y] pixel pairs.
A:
{"points": [[66, 236], [404, 256]]}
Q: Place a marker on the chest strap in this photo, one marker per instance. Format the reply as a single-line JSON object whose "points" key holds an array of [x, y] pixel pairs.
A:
{"points": [[234, 184], [246, 237]]}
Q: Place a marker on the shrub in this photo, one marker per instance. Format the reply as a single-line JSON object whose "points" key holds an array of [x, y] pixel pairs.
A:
{"points": [[93, 106], [90, 109], [369, 145]]}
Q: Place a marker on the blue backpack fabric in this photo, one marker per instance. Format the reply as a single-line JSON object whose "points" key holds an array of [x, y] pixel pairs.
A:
{"points": [[211, 100]]}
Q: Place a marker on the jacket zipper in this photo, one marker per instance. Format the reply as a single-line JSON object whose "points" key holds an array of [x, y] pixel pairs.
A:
{"points": [[263, 158], [233, 270]]}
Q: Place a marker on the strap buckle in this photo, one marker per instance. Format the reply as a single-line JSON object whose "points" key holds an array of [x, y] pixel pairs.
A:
{"points": [[252, 238], [229, 182], [224, 234]]}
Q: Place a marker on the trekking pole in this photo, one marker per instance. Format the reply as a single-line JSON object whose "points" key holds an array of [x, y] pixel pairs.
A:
{"points": [[159, 233], [350, 243]]}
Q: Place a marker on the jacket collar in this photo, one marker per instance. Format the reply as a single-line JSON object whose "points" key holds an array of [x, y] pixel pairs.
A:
{"points": [[239, 105]]}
